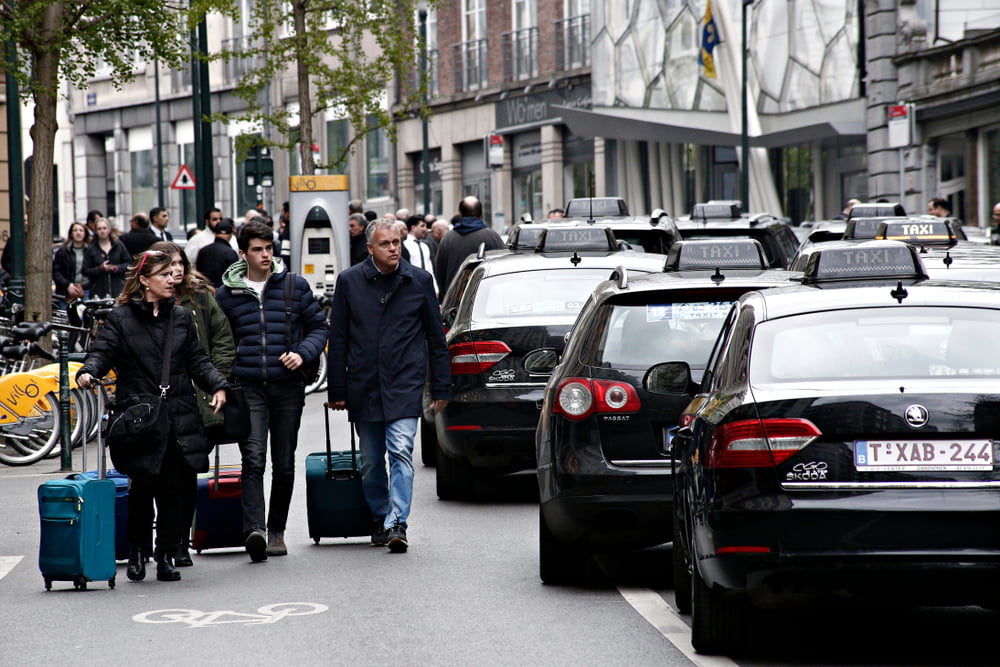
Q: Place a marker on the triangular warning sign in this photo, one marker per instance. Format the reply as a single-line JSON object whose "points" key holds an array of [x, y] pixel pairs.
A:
{"points": [[184, 180]]}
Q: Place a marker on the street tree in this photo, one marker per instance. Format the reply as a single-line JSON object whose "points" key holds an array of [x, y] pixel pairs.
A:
{"points": [[343, 54], [58, 42]]}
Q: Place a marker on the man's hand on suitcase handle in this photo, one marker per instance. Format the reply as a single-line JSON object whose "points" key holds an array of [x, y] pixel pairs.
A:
{"points": [[337, 405]]}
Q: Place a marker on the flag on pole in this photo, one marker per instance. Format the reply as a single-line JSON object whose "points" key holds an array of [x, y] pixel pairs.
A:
{"points": [[709, 38]]}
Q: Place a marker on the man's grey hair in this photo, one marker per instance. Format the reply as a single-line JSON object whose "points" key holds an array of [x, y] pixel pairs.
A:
{"points": [[375, 225]]}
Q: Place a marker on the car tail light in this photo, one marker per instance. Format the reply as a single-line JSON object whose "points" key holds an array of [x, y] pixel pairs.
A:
{"points": [[578, 398], [476, 356], [756, 443]]}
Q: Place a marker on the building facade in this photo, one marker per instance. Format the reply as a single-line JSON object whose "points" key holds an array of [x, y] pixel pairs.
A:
{"points": [[602, 97]]}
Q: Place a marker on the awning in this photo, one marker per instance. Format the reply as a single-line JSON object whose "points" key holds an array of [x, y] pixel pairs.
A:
{"points": [[843, 120]]}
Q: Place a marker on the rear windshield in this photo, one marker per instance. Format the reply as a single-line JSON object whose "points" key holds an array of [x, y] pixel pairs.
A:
{"points": [[534, 293], [638, 336], [917, 342]]}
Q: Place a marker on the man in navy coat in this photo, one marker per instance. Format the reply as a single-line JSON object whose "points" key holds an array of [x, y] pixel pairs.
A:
{"points": [[385, 325]]}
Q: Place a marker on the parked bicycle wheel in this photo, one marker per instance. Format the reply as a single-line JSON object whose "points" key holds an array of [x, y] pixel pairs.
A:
{"points": [[33, 437], [320, 383]]}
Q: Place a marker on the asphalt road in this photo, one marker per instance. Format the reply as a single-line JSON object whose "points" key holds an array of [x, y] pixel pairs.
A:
{"points": [[466, 593]]}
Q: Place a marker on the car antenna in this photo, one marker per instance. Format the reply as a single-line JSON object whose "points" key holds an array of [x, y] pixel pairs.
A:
{"points": [[899, 293], [948, 259], [717, 277], [575, 259], [590, 199]]}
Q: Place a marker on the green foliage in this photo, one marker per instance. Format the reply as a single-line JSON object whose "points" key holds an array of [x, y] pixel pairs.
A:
{"points": [[342, 53], [113, 35]]}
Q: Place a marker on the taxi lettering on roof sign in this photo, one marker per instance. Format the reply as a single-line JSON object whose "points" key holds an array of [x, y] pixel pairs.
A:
{"points": [[712, 253], [927, 232], [878, 259], [577, 238]]}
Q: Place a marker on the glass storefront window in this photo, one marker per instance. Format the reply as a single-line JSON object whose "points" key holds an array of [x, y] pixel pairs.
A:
{"points": [[528, 194], [377, 152], [143, 186]]}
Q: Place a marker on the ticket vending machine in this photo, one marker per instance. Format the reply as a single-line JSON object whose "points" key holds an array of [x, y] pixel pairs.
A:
{"points": [[318, 230]]}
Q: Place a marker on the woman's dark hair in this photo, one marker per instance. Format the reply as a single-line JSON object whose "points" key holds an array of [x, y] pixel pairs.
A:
{"points": [[193, 280], [69, 234], [145, 264]]}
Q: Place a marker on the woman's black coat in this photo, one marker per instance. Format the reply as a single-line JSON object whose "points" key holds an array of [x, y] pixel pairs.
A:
{"points": [[131, 342], [104, 284]]}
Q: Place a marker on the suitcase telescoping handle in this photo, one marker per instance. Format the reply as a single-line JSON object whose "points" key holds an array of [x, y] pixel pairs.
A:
{"points": [[102, 468], [329, 450]]}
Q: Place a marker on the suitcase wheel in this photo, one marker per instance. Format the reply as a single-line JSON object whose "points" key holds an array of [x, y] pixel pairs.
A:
{"points": [[316, 540], [111, 583], [80, 584], [48, 584]]}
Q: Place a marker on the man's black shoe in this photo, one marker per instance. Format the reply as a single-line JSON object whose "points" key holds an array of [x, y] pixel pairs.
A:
{"points": [[257, 546], [380, 534], [397, 539]]}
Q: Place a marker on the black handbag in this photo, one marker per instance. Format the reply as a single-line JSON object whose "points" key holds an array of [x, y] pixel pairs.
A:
{"points": [[235, 426], [141, 420]]}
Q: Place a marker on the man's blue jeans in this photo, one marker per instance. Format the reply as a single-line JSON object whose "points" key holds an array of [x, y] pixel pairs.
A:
{"points": [[275, 407], [388, 495]]}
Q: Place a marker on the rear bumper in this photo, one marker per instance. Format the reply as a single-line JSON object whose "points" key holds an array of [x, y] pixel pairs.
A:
{"points": [[925, 548], [494, 434]]}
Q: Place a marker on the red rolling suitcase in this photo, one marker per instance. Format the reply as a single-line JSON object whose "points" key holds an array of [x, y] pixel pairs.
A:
{"points": [[218, 514]]}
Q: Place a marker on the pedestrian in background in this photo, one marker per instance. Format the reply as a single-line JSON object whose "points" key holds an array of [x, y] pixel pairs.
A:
{"points": [[193, 293], [67, 264], [939, 207], [253, 297], [132, 342], [139, 237], [104, 263], [462, 241], [203, 237], [356, 224], [216, 258], [384, 328]]}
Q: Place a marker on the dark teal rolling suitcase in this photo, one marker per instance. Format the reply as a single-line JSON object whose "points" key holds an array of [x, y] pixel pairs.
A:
{"points": [[335, 501], [77, 537]]}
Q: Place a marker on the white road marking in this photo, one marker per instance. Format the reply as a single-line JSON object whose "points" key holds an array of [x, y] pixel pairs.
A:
{"points": [[8, 563], [652, 607]]}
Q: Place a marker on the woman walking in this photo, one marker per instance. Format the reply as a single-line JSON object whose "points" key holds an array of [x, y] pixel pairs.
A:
{"points": [[193, 293], [105, 262], [133, 342]]}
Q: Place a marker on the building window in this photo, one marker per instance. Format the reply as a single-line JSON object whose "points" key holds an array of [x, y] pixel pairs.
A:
{"points": [[572, 36], [377, 153], [520, 46], [143, 182], [470, 54], [337, 146]]}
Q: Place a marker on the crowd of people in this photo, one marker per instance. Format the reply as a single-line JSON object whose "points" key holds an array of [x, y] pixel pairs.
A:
{"points": [[226, 309]]}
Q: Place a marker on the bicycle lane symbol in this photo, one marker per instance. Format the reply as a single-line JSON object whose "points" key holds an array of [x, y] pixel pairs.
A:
{"points": [[194, 618]]}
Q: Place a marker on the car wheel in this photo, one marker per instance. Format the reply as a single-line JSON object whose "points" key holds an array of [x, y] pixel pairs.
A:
{"points": [[718, 619], [455, 478], [428, 443], [682, 571], [559, 562]]}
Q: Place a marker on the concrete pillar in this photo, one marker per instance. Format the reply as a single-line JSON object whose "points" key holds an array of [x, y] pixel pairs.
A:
{"points": [[451, 179], [553, 195]]}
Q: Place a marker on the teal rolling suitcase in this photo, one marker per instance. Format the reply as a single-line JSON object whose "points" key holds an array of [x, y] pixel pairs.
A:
{"points": [[77, 537], [335, 501]]}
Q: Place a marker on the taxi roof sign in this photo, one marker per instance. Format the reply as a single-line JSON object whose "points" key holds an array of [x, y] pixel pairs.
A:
{"points": [[717, 210], [524, 237], [917, 231], [576, 238], [716, 254], [866, 228], [875, 209], [864, 261]]}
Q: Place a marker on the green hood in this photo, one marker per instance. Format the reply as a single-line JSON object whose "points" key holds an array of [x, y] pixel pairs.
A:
{"points": [[235, 276]]}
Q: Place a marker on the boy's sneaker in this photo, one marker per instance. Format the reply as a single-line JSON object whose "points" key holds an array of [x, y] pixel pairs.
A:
{"points": [[257, 546], [397, 539], [380, 534], [276, 543]]}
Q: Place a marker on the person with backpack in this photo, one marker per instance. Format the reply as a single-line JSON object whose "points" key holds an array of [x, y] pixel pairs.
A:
{"points": [[279, 328]]}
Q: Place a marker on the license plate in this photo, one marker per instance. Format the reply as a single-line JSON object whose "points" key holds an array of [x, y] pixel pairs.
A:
{"points": [[923, 455]]}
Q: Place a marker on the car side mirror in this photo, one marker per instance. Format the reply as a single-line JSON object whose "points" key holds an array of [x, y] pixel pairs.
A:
{"points": [[670, 377]]}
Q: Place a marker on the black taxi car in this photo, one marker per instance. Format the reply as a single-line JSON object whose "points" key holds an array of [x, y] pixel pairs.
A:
{"points": [[603, 454], [714, 220], [846, 446], [504, 339]]}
